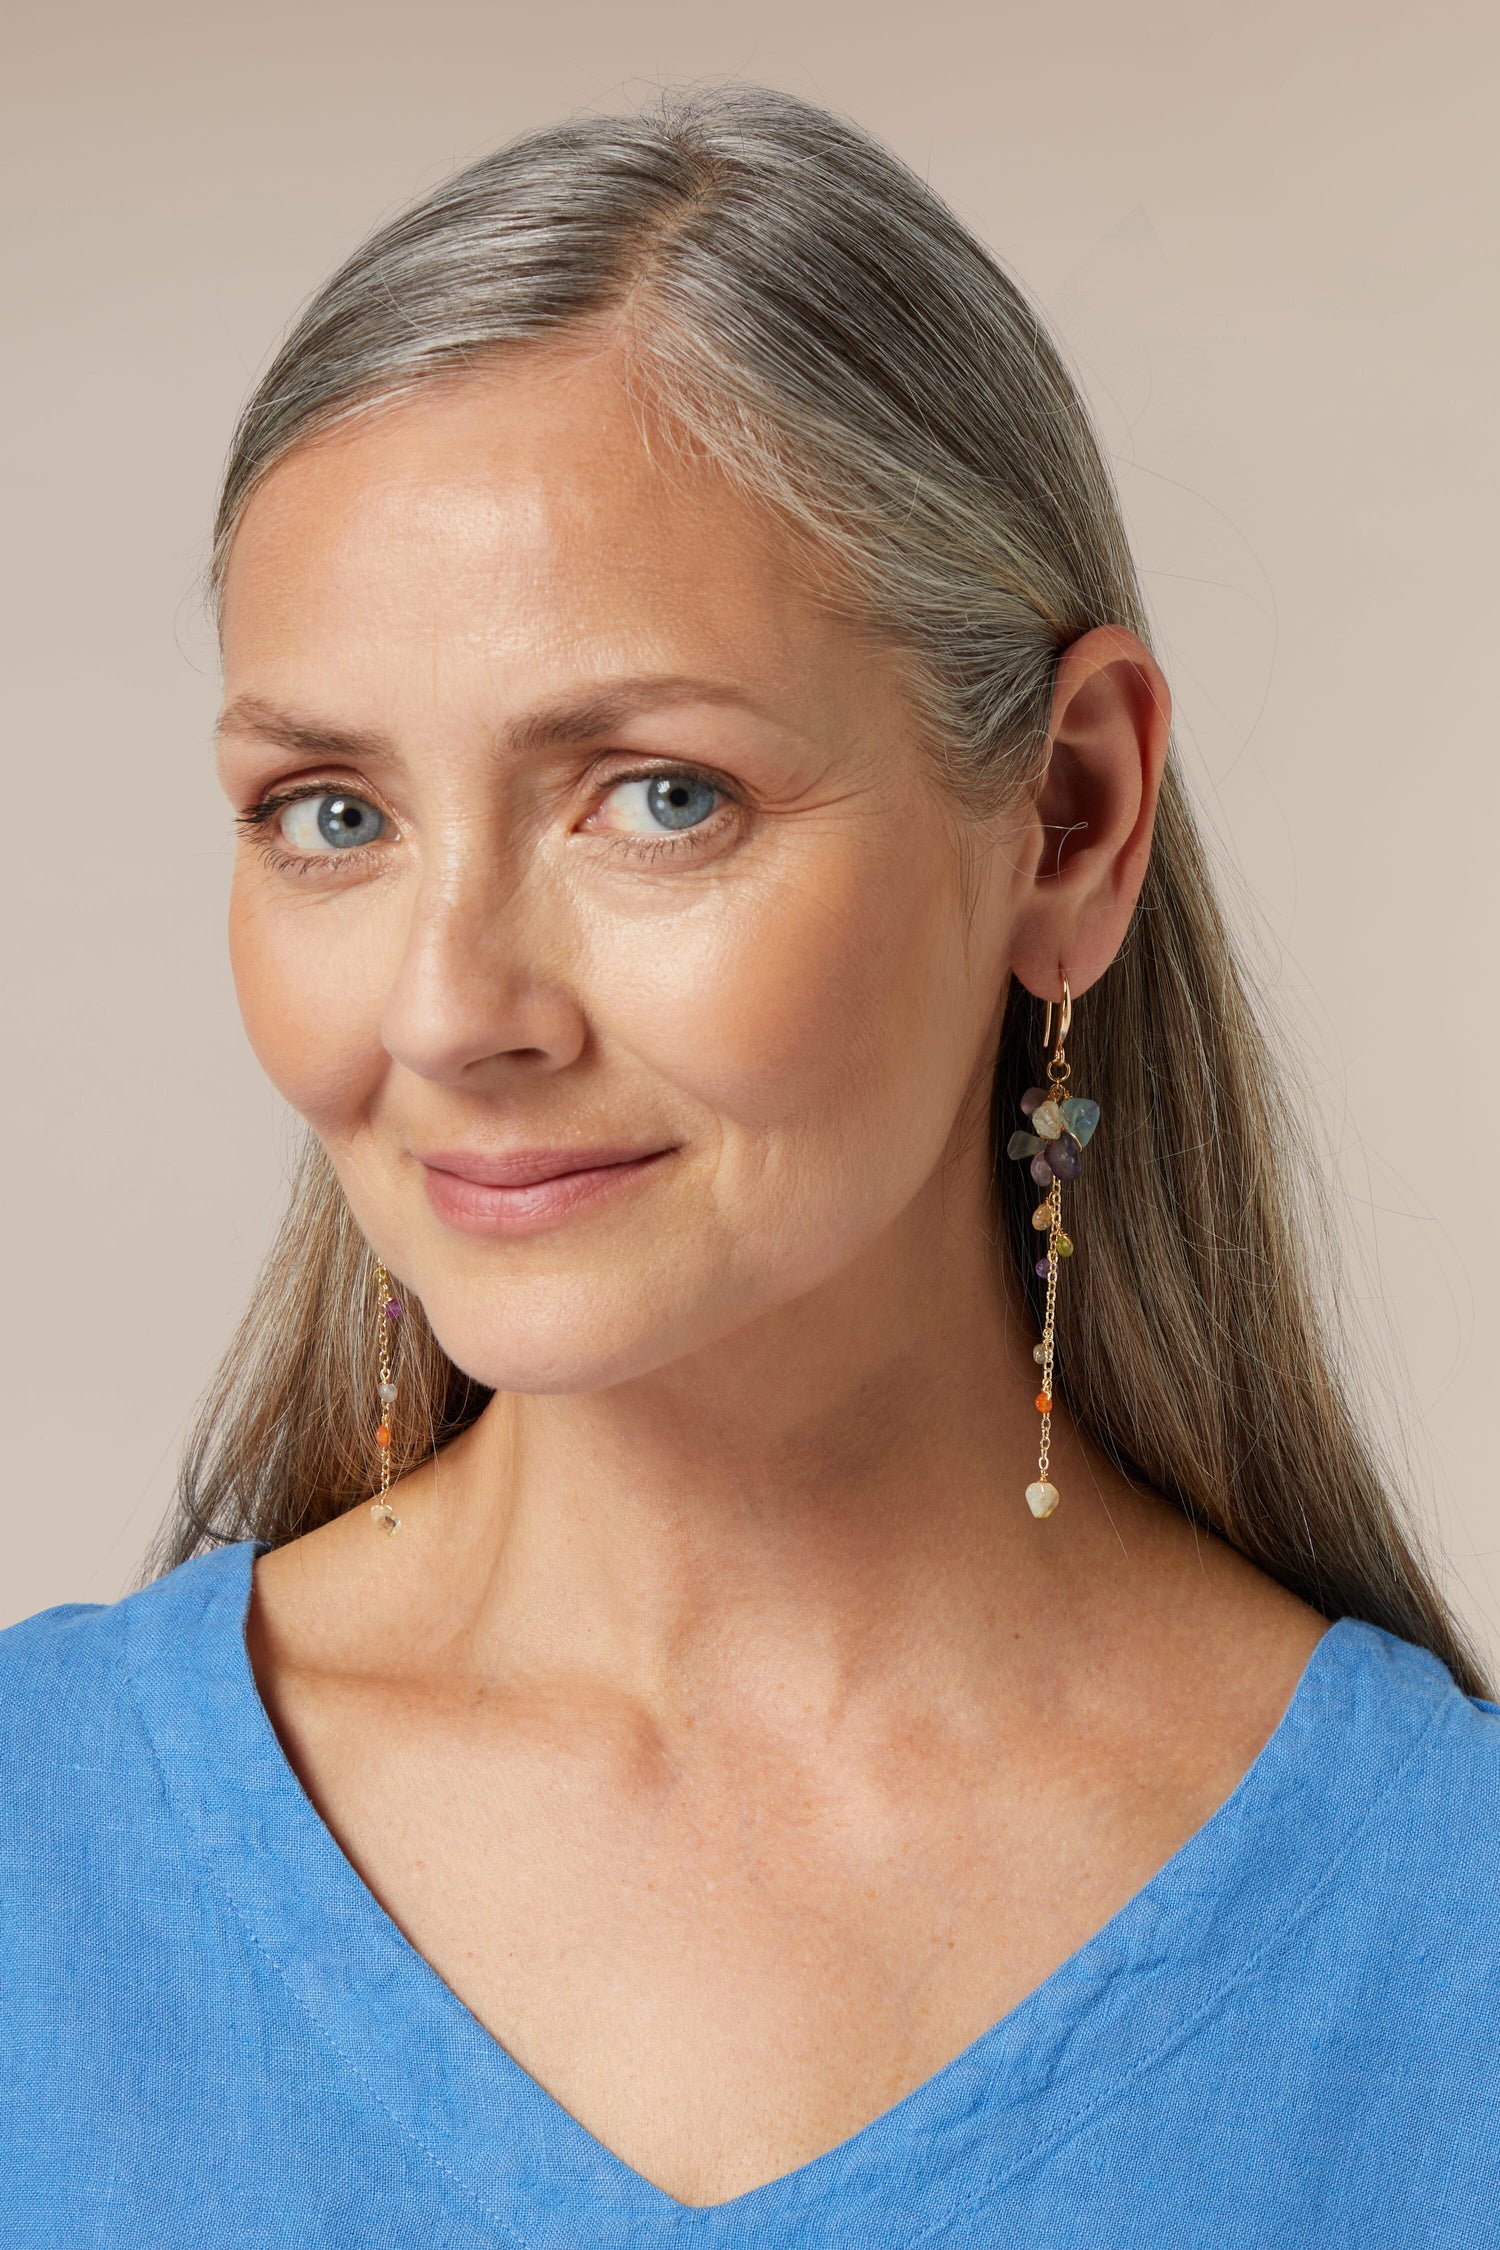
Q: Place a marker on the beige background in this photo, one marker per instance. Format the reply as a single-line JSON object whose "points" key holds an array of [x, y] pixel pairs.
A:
{"points": [[1265, 235]]}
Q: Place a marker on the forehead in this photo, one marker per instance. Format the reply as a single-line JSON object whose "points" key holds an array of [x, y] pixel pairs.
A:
{"points": [[521, 526]]}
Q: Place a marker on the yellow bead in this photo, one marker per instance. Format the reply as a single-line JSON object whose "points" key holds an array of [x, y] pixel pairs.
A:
{"points": [[1041, 1217], [1064, 1246]]}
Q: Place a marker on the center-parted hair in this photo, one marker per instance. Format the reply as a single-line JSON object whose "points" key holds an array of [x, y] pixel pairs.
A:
{"points": [[788, 299]]}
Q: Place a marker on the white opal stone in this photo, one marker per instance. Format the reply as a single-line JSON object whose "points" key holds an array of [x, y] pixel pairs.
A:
{"points": [[387, 1392], [1041, 1499], [1039, 1354], [1047, 1121]]}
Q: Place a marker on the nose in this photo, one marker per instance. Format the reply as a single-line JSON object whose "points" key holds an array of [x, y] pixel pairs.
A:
{"points": [[483, 984]]}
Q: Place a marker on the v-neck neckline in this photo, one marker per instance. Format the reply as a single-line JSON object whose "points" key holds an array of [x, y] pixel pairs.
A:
{"points": [[1131, 1993]]}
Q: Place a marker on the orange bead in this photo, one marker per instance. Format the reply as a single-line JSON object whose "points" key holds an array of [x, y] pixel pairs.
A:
{"points": [[383, 1434], [1044, 1402]]}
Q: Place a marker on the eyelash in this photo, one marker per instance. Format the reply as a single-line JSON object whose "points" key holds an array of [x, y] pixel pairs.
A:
{"points": [[257, 823], [668, 845]]}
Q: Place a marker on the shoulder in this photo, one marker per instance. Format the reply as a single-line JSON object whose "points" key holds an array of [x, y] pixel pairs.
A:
{"points": [[1416, 1884], [75, 1748], [80, 1806], [62, 1685], [1444, 1740]]}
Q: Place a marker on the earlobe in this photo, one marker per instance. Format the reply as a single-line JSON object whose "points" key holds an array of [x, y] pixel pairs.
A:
{"points": [[1094, 810]]}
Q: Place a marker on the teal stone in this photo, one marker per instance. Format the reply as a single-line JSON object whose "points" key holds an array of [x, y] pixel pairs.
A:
{"points": [[1080, 1117], [1023, 1144]]}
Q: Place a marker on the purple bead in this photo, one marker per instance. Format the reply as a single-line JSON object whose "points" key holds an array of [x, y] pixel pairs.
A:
{"points": [[1043, 1268], [393, 1308], [1065, 1157], [1041, 1171], [1033, 1098]]}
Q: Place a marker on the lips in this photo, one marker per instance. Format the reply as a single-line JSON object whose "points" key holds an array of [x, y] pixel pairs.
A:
{"points": [[524, 1191], [527, 1167]]}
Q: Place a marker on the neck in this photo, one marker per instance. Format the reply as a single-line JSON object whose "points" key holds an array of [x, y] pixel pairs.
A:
{"points": [[835, 1492]]}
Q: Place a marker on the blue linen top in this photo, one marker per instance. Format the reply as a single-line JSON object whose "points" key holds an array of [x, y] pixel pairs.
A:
{"points": [[211, 2033]]}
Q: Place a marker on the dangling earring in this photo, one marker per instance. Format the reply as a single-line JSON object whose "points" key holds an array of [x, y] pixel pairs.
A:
{"points": [[1062, 1125], [389, 1312]]}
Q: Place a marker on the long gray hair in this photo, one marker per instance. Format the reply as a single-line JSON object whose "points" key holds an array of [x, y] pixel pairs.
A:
{"points": [[789, 298]]}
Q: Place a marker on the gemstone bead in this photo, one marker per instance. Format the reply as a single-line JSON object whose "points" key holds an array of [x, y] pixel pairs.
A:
{"points": [[1041, 1170], [1046, 1119], [1041, 1217], [386, 1516], [387, 1393], [1042, 1268], [1041, 1499], [393, 1308], [1032, 1099], [383, 1434], [1065, 1246], [1065, 1157], [1023, 1144], [1080, 1117], [1044, 1402], [1039, 1354]]}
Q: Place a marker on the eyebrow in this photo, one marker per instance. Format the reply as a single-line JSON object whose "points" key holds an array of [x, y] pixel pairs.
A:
{"points": [[289, 730], [570, 720]]}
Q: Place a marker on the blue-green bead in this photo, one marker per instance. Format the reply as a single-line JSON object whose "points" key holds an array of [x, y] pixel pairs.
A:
{"points": [[1023, 1144], [1080, 1117]]}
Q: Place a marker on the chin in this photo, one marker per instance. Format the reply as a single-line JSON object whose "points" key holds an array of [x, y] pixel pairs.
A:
{"points": [[539, 1340]]}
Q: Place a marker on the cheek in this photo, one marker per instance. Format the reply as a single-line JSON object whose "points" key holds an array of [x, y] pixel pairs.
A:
{"points": [[827, 1014], [310, 982]]}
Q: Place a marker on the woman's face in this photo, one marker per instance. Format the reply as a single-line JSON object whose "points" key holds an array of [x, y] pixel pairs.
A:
{"points": [[594, 900]]}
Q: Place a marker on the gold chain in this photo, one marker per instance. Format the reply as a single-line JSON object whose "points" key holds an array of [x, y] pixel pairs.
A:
{"points": [[380, 1508], [1049, 1333]]}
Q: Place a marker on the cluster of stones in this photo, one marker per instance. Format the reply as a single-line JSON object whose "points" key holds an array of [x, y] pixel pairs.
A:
{"points": [[1060, 1132]]}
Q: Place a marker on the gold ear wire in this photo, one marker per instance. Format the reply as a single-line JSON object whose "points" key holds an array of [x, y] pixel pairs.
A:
{"points": [[1064, 1024]]}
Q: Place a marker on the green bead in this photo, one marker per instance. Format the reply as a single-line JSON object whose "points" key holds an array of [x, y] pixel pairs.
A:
{"points": [[1024, 1144]]}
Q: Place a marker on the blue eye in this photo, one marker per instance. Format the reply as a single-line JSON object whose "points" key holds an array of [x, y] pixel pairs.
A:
{"points": [[670, 801], [333, 822], [680, 800]]}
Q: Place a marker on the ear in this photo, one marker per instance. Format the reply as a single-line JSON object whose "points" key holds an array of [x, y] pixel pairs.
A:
{"points": [[1081, 857]]}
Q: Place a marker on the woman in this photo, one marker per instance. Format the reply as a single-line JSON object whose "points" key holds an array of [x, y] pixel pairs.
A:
{"points": [[715, 1679]]}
